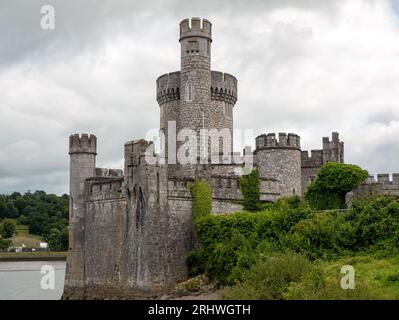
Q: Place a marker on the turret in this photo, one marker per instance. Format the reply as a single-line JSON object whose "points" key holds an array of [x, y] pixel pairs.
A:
{"points": [[195, 77], [82, 151], [280, 159]]}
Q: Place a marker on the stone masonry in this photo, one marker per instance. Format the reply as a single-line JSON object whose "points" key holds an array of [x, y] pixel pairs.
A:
{"points": [[131, 229]]}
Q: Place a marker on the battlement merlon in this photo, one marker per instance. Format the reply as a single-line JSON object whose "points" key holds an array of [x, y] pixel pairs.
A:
{"points": [[197, 29], [383, 178], [84, 143], [269, 141]]}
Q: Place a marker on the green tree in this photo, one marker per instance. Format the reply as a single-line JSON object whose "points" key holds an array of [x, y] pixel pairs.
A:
{"points": [[250, 188], [7, 229], [333, 181]]}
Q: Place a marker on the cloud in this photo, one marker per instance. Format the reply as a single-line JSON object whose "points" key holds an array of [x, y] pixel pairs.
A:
{"points": [[308, 67]]}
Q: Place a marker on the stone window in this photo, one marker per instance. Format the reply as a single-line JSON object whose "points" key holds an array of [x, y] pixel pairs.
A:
{"points": [[189, 91], [192, 47], [228, 110]]}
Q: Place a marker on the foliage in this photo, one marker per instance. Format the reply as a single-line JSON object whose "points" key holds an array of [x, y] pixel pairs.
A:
{"points": [[7, 229], [333, 181], [58, 239], [250, 188], [40, 211], [202, 198], [5, 244], [270, 277], [232, 244]]}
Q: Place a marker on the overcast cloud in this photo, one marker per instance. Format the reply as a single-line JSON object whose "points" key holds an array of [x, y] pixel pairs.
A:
{"points": [[309, 67]]}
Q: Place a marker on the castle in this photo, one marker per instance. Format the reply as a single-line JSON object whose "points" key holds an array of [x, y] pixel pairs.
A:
{"points": [[131, 229]]}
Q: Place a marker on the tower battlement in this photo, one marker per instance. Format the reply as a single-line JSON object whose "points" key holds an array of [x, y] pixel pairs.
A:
{"points": [[168, 87], [199, 28], [84, 143], [284, 141], [223, 87]]}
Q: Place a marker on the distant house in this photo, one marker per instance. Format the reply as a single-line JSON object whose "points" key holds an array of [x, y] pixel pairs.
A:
{"points": [[43, 245]]}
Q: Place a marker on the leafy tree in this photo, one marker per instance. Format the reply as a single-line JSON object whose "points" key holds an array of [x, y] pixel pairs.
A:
{"points": [[7, 229], [333, 181], [58, 239], [5, 244], [250, 188]]}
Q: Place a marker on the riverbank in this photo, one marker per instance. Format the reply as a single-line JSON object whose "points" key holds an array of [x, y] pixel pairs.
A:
{"points": [[33, 256]]}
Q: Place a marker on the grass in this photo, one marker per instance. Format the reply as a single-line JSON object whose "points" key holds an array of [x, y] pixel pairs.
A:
{"points": [[22, 236], [45, 255], [376, 278]]}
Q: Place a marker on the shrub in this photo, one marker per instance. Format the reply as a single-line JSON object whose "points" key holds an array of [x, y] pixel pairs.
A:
{"points": [[269, 277], [7, 229], [5, 244], [250, 188], [333, 181]]}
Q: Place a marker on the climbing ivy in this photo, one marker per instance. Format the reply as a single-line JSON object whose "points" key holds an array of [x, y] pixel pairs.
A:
{"points": [[250, 188]]}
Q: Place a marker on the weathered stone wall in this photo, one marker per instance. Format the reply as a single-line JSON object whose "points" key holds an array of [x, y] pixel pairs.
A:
{"points": [[280, 160], [333, 150], [82, 151], [382, 185]]}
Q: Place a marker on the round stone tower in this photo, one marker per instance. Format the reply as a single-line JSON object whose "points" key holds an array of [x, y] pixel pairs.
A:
{"points": [[281, 160], [82, 151], [197, 98]]}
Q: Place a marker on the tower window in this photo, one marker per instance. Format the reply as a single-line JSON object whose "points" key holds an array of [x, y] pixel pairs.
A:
{"points": [[228, 110], [189, 91], [193, 46]]}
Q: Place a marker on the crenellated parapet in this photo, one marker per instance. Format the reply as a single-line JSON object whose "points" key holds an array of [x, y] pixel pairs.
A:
{"points": [[315, 160], [84, 143], [198, 28], [223, 87], [104, 188], [284, 141], [168, 87], [384, 178], [105, 172]]}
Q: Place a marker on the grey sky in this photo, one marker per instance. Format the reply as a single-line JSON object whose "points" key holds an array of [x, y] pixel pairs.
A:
{"points": [[308, 67]]}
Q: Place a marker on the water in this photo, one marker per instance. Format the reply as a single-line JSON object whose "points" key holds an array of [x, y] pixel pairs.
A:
{"points": [[21, 280]]}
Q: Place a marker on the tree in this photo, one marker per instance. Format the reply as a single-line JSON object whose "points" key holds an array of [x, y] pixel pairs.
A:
{"points": [[7, 229], [58, 239], [250, 188], [333, 181]]}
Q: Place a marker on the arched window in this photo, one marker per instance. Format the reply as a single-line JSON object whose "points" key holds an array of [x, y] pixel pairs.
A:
{"points": [[189, 91]]}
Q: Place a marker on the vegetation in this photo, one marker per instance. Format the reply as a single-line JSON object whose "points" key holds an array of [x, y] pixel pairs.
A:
{"points": [[40, 213], [333, 181], [287, 250], [250, 189], [201, 192], [7, 229]]}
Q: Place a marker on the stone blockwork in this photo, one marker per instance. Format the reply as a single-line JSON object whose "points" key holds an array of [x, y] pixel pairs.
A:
{"points": [[280, 160], [333, 150], [132, 229], [382, 185]]}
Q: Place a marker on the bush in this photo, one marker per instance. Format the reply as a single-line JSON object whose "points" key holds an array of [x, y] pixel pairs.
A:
{"points": [[250, 188], [333, 181], [7, 229], [5, 244], [270, 277]]}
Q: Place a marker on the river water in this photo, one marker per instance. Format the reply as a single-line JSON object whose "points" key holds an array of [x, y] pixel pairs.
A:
{"points": [[23, 280]]}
